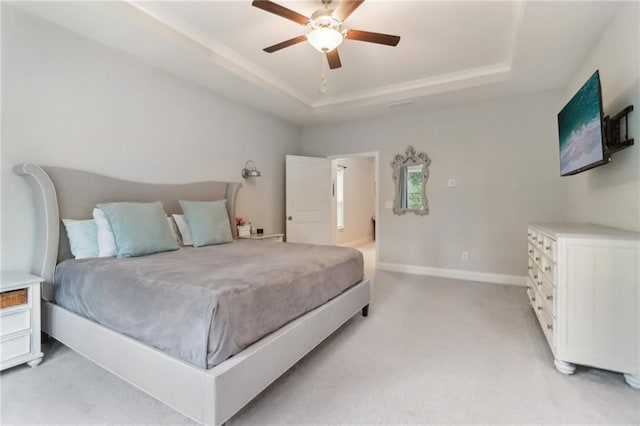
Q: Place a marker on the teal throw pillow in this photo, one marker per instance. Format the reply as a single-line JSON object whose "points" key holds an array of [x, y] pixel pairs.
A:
{"points": [[208, 222], [83, 237], [139, 228]]}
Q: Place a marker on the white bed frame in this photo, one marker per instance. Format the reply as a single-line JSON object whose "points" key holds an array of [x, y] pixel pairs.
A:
{"points": [[208, 396]]}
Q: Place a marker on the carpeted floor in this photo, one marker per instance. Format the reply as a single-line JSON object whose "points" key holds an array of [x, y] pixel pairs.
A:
{"points": [[432, 350]]}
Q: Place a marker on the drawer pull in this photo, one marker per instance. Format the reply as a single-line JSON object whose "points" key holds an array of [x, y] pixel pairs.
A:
{"points": [[533, 299], [537, 259], [534, 238], [530, 251], [529, 267], [549, 326], [550, 297], [540, 308], [540, 242], [539, 283], [547, 268], [535, 276], [547, 248], [528, 288], [529, 234]]}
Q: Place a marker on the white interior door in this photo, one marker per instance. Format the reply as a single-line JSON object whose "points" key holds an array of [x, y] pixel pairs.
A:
{"points": [[308, 205]]}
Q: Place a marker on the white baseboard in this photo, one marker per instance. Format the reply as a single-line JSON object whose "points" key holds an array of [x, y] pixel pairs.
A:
{"points": [[454, 273], [357, 243]]}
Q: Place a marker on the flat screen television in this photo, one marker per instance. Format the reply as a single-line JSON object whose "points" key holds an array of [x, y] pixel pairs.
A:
{"points": [[581, 130]]}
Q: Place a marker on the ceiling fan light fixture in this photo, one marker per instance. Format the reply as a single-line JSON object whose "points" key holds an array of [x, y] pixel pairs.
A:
{"points": [[325, 39]]}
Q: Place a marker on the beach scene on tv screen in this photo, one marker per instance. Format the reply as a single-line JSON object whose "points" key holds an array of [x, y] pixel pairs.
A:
{"points": [[580, 129]]}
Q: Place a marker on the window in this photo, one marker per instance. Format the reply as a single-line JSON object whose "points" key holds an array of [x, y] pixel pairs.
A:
{"points": [[340, 198]]}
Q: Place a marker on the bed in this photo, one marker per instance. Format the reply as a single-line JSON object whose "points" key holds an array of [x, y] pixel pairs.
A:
{"points": [[208, 390]]}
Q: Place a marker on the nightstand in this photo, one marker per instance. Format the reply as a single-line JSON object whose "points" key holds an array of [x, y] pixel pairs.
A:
{"points": [[279, 238], [19, 319]]}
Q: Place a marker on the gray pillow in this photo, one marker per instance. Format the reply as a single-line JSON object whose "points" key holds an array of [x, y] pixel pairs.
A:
{"points": [[208, 222], [139, 228]]}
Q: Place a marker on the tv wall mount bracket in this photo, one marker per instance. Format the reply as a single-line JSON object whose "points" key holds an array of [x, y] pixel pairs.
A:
{"points": [[612, 131]]}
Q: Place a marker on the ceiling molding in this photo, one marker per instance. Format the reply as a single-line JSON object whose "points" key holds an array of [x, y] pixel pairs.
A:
{"points": [[228, 59], [534, 46], [423, 87], [221, 55]]}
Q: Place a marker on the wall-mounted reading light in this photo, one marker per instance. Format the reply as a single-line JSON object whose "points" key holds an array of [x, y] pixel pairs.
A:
{"points": [[250, 170]]}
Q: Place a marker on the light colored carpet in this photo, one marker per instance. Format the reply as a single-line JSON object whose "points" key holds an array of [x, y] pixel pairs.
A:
{"points": [[432, 350]]}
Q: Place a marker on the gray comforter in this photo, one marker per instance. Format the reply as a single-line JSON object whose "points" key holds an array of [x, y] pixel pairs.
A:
{"points": [[203, 305]]}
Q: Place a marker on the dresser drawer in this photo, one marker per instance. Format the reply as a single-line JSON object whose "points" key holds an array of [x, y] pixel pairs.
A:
{"points": [[15, 346], [546, 321], [549, 248], [531, 269], [11, 322], [547, 325], [537, 257], [547, 294], [531, 292], [548, 267]]}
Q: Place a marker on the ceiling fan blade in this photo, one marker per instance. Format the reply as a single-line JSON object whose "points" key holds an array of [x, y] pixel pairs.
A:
{"points": [[334, 59], [389, 40], [346, 8], [285, 43], [282, 11]]}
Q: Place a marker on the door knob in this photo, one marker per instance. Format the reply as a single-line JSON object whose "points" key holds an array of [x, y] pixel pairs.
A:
{"points": [[289, 218]]}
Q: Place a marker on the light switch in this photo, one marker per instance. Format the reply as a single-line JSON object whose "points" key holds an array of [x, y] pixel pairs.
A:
{"points": [[388, 204], [452, 183]]}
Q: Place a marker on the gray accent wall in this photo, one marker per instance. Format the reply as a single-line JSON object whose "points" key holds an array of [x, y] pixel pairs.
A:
{"points": [[610, 195], [71, 102], [504, 157]]}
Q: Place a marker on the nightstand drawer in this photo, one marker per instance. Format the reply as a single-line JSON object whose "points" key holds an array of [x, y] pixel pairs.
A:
{"points": [[15, 321], [15, 347]]}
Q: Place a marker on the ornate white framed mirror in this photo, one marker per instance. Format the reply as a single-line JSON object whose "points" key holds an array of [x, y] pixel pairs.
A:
{"points": [[410, 175]]}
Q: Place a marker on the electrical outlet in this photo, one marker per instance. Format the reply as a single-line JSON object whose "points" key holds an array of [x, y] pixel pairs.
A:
{"points": [[465, 256], [451, 183]]}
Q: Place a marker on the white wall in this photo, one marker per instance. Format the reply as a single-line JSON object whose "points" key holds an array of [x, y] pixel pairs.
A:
{"points": [[359, 200], [504, 155], [610, 195], [71, 102]]}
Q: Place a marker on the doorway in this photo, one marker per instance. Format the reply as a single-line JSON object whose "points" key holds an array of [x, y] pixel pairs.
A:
{"points": [[354, 205]]}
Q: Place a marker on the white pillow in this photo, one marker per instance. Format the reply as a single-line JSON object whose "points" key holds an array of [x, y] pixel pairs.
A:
{"points": [[174, 230], [184, 229], [106, 241]]}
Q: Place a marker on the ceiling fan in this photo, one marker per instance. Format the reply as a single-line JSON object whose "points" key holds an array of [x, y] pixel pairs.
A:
{"points": [[326, 28]]}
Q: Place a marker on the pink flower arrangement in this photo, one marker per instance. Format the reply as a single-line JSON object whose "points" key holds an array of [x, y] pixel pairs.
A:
{"points": [[240, 221]]}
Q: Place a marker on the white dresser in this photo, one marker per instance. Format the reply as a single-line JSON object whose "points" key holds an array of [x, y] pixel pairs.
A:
{"points": [[19, 319], [584, 286]]}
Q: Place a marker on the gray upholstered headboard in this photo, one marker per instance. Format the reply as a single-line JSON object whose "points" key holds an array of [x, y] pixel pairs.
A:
{"points": [[72, 194]]}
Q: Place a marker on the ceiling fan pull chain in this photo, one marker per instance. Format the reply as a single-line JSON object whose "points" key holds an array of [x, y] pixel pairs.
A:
{"points": [[324, 87]]}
